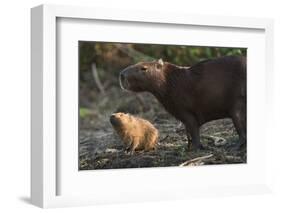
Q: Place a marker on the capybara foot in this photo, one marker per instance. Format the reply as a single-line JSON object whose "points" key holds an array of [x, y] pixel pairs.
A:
{"points": [[130, 152], [243, 146], [239, 147], [198, 147]]}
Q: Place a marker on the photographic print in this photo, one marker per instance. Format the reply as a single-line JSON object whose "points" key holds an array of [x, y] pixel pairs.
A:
{"points": [[158, 105]]}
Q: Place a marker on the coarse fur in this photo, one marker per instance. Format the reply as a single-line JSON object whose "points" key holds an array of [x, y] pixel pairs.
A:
{"points": [[136, 133], [209, 90]]}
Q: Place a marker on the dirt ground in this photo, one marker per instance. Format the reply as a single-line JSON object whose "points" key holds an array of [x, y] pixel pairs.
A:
{"points": [[101, 148]]}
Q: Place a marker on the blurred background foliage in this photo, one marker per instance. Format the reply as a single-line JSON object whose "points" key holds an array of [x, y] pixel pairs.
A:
{"points": [[110, 58]]}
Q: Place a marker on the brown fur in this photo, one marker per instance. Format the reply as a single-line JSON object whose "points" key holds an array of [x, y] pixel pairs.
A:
{"points": [[206, 91], [135, 132]]}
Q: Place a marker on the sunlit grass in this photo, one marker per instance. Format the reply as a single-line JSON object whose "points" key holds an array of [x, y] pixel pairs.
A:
{"points": [[84, 112]]}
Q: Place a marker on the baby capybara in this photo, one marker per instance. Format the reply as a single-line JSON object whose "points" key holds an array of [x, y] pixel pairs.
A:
{"points": [[136, 133], [209, 90]]}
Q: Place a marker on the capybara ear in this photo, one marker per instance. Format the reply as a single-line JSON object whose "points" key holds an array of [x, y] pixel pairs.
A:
{"points": [[161, 62]]}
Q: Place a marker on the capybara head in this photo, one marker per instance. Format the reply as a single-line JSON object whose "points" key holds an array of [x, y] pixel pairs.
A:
{"points": [[119, 120], [143, 76]]}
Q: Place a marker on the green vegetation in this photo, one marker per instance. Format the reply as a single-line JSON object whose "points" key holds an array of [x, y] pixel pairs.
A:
{"points": [[84, 112]]}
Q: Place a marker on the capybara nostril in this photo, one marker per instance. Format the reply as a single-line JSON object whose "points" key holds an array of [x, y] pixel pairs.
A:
{"points": [[112, 118]]}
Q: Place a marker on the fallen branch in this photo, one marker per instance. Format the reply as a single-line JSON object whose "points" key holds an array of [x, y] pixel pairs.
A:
{"points": [[96, 78], [197, 160], [161, 140]]}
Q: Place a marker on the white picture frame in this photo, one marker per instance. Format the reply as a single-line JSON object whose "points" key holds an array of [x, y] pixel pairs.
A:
{"points": [[45, 170]]}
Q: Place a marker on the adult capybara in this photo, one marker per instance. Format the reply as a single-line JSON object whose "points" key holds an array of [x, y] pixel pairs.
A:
{"points": [[209, 90], [136, 133]]}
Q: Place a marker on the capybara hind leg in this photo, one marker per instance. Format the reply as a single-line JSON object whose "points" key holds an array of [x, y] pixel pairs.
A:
{"points": [[239, 121], [152, 143]]}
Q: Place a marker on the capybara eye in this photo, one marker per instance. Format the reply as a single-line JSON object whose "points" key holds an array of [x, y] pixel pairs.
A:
{"points": [[158, 66]]}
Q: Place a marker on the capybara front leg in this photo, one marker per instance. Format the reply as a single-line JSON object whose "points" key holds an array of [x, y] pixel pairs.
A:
{"points": [[192, 130], [134, 145]]}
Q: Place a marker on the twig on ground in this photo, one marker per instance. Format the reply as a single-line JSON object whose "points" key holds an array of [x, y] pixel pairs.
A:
{"points": [[96, 78], [84, 140], [161, 140], [198, 160], [104, 135]]}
